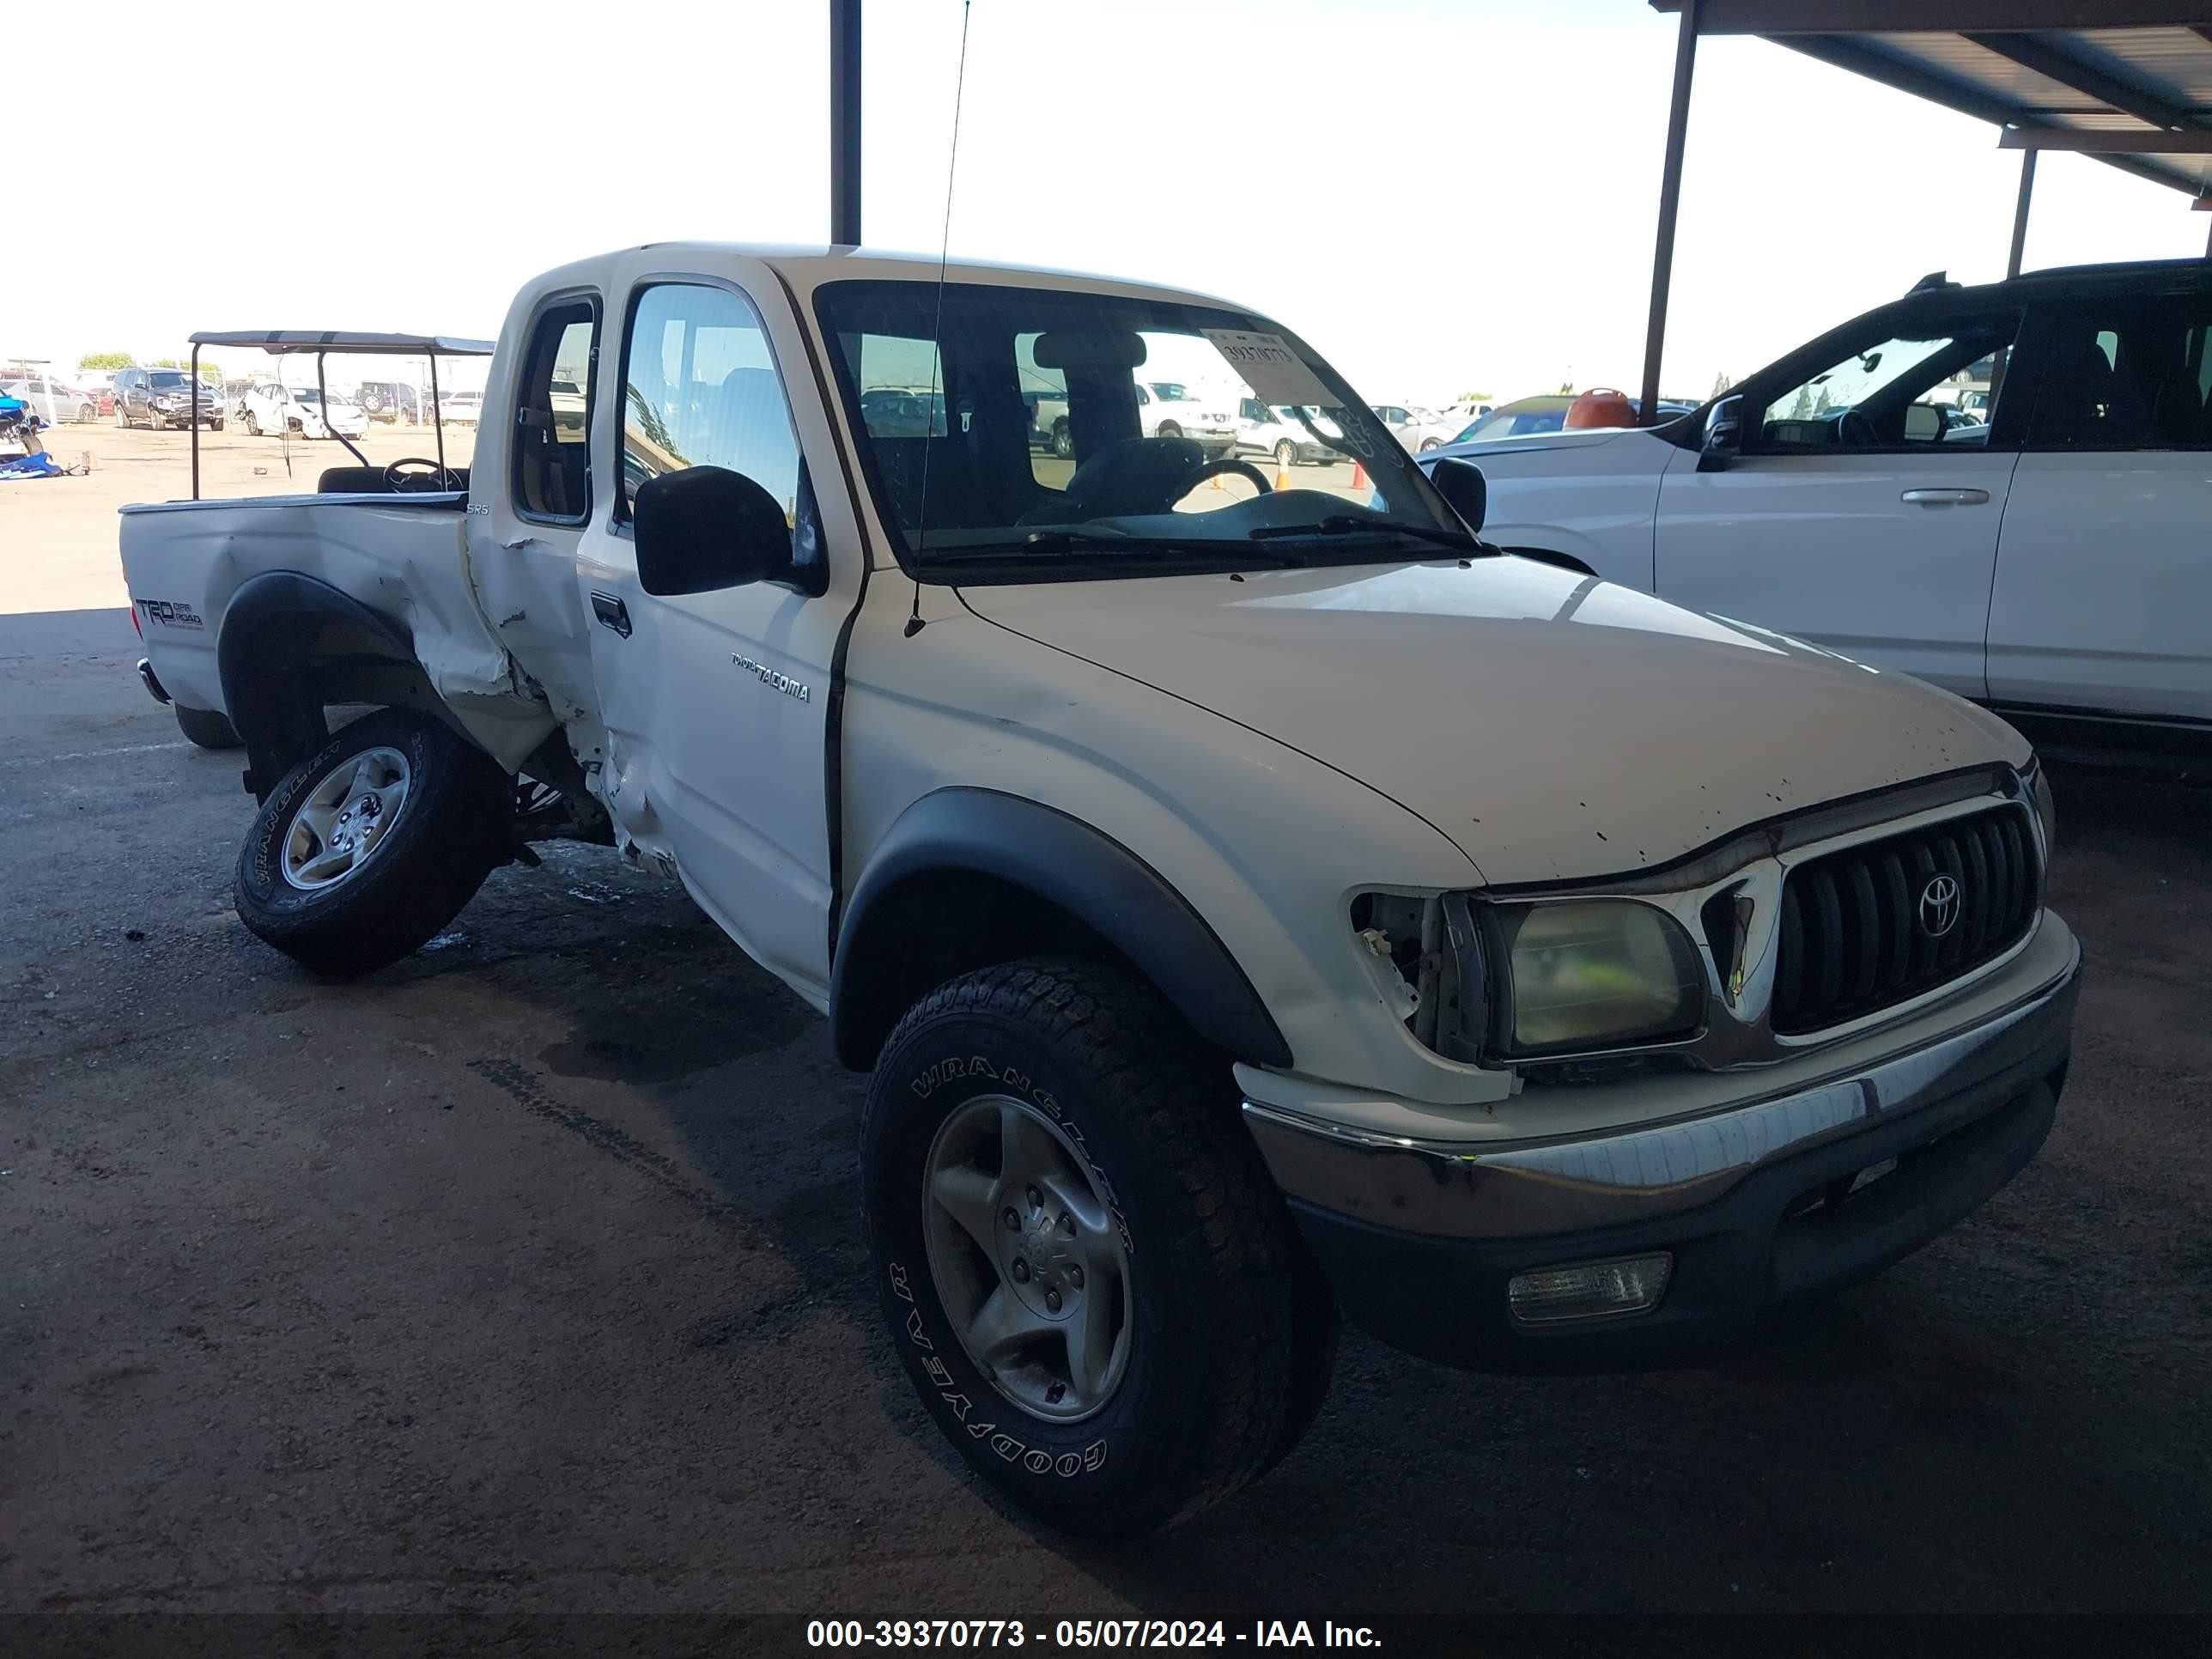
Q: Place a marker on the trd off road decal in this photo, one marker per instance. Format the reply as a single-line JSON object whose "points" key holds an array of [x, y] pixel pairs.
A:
{"points": [[172, 613], [1038, 1461]]}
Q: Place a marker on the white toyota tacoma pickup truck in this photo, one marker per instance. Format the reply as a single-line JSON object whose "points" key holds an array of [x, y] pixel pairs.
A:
{"points": [[1249, 902]]}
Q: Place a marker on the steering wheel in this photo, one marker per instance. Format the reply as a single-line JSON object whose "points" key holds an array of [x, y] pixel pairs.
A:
{"points": [[435, 476], [1855, 429], [1214, 468]]}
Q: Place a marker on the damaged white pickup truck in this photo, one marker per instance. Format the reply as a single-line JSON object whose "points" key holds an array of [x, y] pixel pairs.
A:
{"points": [[1248, 902]]}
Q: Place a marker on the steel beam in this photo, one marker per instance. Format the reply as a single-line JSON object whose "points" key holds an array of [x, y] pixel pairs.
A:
{"points": [[845, 122], [1783, 17], [2103, 141], [2020, 212], [1670, 200]]}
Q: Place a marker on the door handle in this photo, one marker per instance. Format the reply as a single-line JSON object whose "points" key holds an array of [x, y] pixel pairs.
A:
{"points": [[1945, 498], [611, 612]]}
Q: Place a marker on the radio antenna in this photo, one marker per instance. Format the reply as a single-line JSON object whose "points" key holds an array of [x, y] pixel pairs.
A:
{"points": [[913, 622]]}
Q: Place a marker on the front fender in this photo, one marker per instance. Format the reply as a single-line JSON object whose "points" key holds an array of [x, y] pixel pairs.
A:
{"points": [[275, 627], [1076, 868]]}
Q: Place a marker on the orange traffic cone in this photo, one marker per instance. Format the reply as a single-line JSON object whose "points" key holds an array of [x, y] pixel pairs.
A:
{"points": [[1359, 475], [1282, 475]]}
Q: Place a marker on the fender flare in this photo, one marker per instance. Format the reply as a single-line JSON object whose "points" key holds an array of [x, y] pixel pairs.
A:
{"points": [[1082, 871], [270, 629]]}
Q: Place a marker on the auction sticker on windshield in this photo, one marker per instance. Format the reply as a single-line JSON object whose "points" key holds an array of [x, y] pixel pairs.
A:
{"points": [[1276, 373]]}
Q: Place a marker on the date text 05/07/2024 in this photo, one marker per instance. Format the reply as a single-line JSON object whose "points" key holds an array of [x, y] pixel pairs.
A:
{"points": [[1074, 1633]]}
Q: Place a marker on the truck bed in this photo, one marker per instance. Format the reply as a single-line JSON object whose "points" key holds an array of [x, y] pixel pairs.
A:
{"points": [[403, 556]]}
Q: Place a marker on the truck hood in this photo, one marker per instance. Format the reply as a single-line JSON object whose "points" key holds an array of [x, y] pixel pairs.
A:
{"points": [[1551, 725]]}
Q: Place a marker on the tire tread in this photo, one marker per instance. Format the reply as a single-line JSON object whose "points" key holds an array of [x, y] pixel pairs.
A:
{"points": [[1274, 1341]]}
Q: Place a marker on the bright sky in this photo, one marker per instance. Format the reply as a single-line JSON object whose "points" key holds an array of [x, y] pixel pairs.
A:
{"points": [[1445, 196]]}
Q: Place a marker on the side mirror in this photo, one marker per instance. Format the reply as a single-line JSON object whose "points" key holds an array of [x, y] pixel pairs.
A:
{"points": [[1723, 439], [706, 528], [1461, 483]]}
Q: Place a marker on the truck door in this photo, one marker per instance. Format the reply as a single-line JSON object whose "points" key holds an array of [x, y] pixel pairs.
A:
{"points": [[533, 475], [1860, 515], [2104, 571], [718, 705]]}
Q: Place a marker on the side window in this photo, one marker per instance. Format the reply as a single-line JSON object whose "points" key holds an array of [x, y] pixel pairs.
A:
{"points": [[700, 388], [1904, 390], [2127, 374], [1051, 438], [552, 414]]}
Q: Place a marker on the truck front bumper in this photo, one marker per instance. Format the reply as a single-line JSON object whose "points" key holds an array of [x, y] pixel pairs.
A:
{"points": [[1754, 1206]]}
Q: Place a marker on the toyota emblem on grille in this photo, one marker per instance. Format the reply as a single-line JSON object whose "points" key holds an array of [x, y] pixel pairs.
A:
{"points": [[1939, 907]]}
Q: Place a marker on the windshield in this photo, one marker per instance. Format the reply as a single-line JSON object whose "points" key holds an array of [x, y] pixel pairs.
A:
{"points": [[165, 379], [306, 394], [985, 484]]}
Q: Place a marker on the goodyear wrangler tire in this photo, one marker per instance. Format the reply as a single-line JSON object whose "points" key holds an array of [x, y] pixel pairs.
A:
{"points": [[368, 846], [1088, 1275]]}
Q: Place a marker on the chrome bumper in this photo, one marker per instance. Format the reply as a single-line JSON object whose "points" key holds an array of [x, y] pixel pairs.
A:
{"points": [[1530, 1188]]}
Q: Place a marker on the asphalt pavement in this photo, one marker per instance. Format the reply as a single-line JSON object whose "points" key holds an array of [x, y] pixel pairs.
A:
{"points": [[526, 1277]]}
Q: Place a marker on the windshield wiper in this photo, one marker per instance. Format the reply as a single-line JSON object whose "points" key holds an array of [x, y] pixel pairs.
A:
{"points": [[1344, 524], [1199, 550]]}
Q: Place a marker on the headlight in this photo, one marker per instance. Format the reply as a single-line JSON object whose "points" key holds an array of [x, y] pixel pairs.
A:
{"points": [[1591, 974]]}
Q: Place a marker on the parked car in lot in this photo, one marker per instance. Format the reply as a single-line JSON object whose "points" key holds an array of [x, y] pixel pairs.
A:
{"points": [[1169, 409], [55, 400], [1264, 428], [2049, 561], [300, 410], [389, 401], [1416, 428], [1048, 426], [1219, 962], [461, 408], [161, 398]]}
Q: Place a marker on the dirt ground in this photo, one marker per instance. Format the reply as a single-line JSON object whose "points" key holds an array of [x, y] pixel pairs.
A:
{"points": [[526, 1278], [57, 535]]}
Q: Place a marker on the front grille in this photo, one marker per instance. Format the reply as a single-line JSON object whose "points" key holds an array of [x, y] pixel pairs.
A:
{"points": [[1862, 929]]}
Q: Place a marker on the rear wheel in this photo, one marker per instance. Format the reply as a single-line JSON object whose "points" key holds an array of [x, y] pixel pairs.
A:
{"points": [[368, 846], [1169, 429], [205, 727], [1090, 1276], [1063, 441]]}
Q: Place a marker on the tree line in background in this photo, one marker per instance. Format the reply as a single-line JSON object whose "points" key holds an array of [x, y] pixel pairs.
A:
{"points": [[210, 369]]}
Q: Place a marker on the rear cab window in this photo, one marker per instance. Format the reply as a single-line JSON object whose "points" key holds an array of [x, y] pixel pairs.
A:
{"points": [[552, 478]]}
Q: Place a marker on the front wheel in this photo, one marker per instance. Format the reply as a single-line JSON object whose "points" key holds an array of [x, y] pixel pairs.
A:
{"points": [[372, 843], [1287, 453], [1089, 1274]]}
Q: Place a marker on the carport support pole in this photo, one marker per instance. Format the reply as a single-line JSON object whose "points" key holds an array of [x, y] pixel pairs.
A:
{"points": [[845, 122], [194, 390], [1670, 198], [2020, 213]]}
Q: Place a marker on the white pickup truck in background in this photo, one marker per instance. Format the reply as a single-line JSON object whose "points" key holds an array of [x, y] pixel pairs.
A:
{"points": [[2045, 555], [1249, 902]]}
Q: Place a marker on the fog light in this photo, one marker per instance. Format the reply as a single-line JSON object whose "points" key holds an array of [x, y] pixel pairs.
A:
{"points": [[1590, 1290]]}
